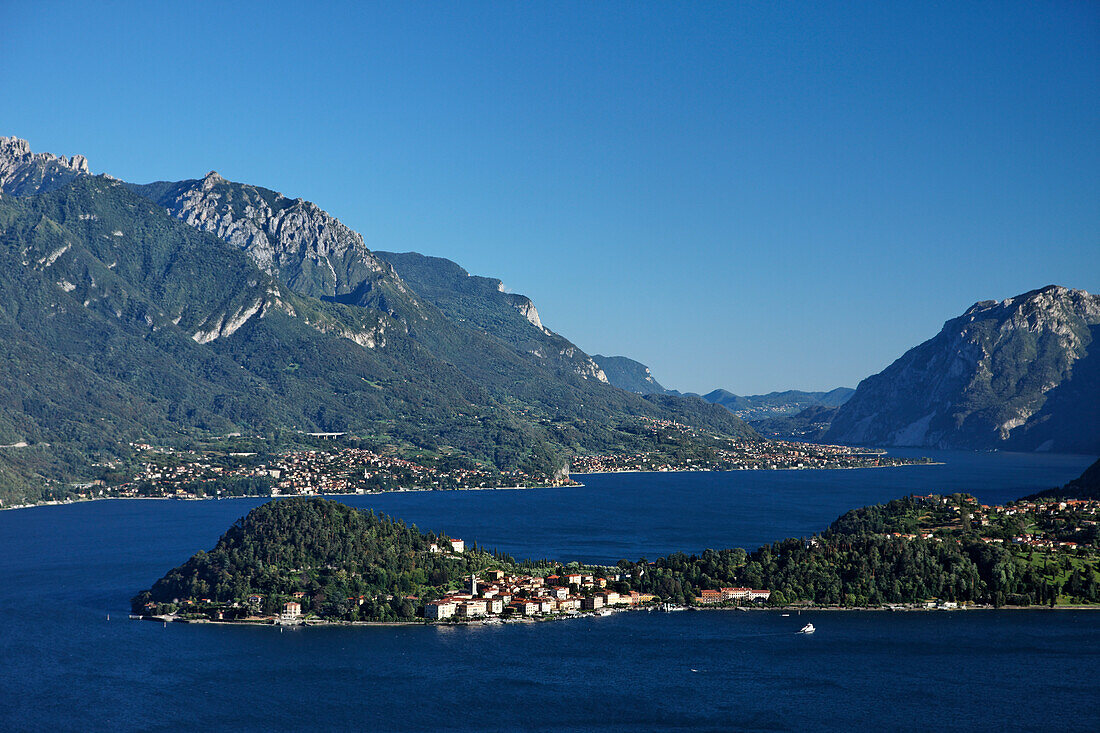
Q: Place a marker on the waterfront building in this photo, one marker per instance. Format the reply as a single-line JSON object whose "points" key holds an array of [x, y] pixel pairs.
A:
{"points": [[471, 608], [591, 603], [440, 609], [710, 596]]}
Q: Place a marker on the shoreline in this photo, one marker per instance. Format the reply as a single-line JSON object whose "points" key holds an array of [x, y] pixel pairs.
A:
{"points": [[67, 502], [740, 470], [579, 484], [500, 621]]}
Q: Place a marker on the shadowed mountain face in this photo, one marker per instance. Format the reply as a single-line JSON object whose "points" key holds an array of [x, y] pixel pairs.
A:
{"points": [[1020, 374], [122, 321]]}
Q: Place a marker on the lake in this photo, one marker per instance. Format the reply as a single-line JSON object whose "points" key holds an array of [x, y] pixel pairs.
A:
{"points": [[63, 569]]}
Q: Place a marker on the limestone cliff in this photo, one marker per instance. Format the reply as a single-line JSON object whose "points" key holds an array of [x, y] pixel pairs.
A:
{"points": [[23, 172], [295, 240]]}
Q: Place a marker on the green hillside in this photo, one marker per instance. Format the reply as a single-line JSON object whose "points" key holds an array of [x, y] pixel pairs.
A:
{"points": [[326, 550], [121, 323]]}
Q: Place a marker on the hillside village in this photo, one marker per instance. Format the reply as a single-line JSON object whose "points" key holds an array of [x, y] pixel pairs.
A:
{"points": [[495, 596], [1066, 525], [171, 473]]}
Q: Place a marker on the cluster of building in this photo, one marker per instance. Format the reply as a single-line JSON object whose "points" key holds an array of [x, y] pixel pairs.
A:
{"points": [[725, 454], [732, 595], [1041, 523], [501, 594], [306, 472]]}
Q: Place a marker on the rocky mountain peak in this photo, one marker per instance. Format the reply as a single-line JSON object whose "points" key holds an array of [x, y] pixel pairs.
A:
{"points": [[294, 240], [1020, 373], [24, 172]]}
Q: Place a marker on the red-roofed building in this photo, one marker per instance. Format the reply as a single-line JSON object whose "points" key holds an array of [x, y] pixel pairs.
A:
{"points": [[710, 596]]}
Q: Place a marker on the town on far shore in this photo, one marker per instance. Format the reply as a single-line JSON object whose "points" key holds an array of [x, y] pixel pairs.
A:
{"points": [[674, 446], [335, 463]]}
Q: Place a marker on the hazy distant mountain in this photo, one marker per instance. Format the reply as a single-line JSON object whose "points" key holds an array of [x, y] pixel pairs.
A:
{"points": [[630, 375], [1020, 374], [633, 376], [809, 424], [775, 404], [166, 312]]}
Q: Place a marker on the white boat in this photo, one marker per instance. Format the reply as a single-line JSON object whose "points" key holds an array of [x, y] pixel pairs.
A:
{"points": [[807, 629]]}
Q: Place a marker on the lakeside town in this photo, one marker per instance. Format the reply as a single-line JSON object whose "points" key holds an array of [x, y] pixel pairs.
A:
{"points": [[335, 464], [493, 597], [193, 474], [1061, 536], [679, 447]]}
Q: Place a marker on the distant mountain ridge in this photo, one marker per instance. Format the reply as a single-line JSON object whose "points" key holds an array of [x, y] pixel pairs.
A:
{"points": [[809, 424], [774, 404], [633, 376], [1018, 374]]}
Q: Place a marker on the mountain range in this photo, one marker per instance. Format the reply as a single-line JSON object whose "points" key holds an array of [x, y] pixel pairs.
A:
{"points": [[761, 407], [175, 311], [1018, 374], [170, 311], [633, 376]]}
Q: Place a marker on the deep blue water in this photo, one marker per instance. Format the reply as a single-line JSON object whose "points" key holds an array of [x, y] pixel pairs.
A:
{"points": [[63, 665]]}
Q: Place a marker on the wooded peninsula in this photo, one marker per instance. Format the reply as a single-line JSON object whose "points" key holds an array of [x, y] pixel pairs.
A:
{"points": [[314, 559]]}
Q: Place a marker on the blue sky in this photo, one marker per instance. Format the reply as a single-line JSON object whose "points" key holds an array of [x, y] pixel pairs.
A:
{"points": [[752, 196]]}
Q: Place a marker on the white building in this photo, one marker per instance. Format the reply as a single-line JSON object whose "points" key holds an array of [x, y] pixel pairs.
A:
{"points": [[436, 610], [474, 607]]}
